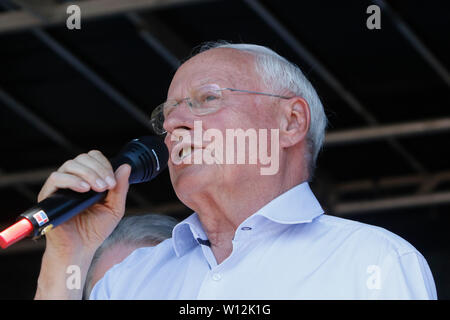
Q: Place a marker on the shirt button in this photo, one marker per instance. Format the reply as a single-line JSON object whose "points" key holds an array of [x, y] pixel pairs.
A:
{"points": [[246, 228], [216, 276]]}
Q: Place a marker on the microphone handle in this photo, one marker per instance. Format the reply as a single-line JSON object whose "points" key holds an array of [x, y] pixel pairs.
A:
{"points": [[58, 208], [63, 204], [147, 157]]}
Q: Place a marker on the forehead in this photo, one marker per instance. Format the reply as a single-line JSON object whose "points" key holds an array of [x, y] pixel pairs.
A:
{"points": [[224, 66]]}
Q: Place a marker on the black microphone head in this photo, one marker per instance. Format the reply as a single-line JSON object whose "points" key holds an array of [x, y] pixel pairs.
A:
{"points": [[147, 156]]}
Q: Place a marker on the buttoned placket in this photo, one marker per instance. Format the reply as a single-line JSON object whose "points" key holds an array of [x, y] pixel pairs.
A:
{"points": [[252, 229], [217, 275]]}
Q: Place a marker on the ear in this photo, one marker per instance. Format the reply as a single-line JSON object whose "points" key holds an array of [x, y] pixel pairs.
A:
{"points": [[294, 122]]}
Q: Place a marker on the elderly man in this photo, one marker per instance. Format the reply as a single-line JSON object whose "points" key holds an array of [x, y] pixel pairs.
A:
{"points": [[253, 235]]}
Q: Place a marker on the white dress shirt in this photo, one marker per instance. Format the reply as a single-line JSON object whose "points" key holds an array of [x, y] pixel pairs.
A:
{"points": [[288, 249]]}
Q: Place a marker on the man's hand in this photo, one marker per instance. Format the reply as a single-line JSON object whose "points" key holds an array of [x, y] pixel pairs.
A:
{"points": [[75, 241]]}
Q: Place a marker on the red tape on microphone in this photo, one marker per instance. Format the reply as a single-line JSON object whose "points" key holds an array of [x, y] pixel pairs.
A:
{"points": [[16, 232]]}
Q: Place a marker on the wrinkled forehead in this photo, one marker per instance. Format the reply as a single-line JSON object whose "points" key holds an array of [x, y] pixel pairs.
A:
{"points": [[223, 66]]}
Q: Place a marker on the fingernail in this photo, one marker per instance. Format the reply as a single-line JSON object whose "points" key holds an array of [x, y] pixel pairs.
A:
{"points": [[120, 170], [100, 183], [110, 181], [84, 185]]}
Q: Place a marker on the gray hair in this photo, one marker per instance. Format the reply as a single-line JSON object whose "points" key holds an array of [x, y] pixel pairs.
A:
{"points": [[139, 230], [279, 74]]}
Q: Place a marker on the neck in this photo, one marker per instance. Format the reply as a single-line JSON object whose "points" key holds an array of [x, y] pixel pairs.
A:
{"points": [[221, 210]]}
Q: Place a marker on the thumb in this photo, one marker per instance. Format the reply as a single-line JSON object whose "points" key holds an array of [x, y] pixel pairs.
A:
{"points": [[116, 198]]}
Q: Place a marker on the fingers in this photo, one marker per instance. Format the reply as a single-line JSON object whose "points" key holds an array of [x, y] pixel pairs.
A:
{"points": [[101, 159], [59, 180], [116, 198], [87, 171], [94, 172]]}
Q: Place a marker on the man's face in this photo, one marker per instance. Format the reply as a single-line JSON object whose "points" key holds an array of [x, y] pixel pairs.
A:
{"points": [[227, 68]]}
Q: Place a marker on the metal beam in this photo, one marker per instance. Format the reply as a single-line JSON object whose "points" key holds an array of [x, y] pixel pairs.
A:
{"points": [[332, 138], [390, 182], [151, 40], [165, 34], [17, 180], [415, 41], [40, 125], [39, 175], [22, 20], [34, 120], [386, 131], [39, 8], [306, 55], [22, 189], [98, 81], [133, 110], [328, 77], [412, 201], [28, 177]]}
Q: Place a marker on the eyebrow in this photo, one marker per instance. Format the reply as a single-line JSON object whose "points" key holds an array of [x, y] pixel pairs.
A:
{"points": [[195, 85]]}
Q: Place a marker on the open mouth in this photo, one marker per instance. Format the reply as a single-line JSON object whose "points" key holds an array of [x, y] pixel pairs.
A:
{"points": [[185, 152], [182, 152]]}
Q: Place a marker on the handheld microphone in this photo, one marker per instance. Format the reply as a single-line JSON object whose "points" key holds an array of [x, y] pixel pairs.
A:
{"points": [[147, 157]]}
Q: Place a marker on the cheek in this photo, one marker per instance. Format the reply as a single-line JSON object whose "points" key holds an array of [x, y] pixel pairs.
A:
{"points": [[257, 116], [236, 117]]}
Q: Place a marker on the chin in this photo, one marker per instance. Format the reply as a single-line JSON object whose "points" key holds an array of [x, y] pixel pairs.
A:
{"points": [[191, 180]]}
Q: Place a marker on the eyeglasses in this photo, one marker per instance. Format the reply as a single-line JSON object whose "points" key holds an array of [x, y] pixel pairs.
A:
{"points": [[204, 100]]}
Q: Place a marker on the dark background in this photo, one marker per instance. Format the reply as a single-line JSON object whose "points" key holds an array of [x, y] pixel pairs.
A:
{"points": [[63, 92]]}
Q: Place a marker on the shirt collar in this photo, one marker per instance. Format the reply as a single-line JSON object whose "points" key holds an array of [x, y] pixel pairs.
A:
{"points": [[297, 205], [186, 233]]}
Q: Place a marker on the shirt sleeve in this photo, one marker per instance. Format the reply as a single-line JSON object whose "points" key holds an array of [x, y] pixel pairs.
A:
{"points": [[103, 289], [405, 276], [100, 290], [116, 281]]}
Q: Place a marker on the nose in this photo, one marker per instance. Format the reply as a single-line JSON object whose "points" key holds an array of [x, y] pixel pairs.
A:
{"points": [[180, 117]]}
